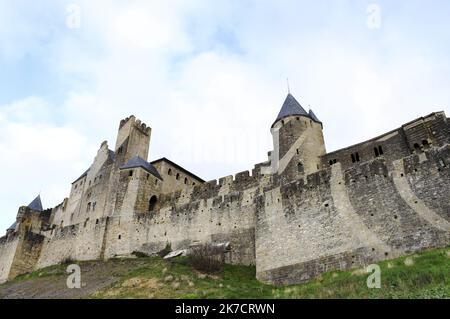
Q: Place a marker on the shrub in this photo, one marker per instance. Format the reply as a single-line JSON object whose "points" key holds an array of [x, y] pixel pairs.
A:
{"points": [[139, 254], [207, 258], [165, 251]]}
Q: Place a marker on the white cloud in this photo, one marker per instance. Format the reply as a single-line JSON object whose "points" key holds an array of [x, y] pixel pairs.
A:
{"points": [[36, 157], [208, 77]]}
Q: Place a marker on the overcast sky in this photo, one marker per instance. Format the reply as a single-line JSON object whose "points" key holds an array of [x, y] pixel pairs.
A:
{"points": [[208, 76]]}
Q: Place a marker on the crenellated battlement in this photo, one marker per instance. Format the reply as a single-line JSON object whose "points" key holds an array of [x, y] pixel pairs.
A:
{"points": [[295, 216]]}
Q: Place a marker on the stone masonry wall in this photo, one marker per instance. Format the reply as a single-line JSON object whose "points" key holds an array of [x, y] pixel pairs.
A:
{"points": [[8, 246], [342, 219]]}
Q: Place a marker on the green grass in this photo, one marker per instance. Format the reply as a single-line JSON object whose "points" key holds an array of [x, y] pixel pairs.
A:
{"points": [[427, 277], [52, 271]]}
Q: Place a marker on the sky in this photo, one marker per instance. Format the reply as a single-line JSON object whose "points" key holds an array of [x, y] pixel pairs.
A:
{"points": [[209, 77]]}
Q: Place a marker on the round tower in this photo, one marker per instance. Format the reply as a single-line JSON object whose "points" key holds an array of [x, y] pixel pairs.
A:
{"points": [[298, 141]]}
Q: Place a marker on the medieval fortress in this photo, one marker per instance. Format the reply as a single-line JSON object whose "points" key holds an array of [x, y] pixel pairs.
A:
{"points": [[301, 213]]}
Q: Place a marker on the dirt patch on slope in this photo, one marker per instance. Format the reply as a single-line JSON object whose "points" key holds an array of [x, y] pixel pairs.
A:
{"points": [[50, 284]]}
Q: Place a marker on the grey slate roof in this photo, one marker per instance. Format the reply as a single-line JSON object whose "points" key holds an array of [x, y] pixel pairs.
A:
{"points": [[12, 227], [313, 116], [111, 154], [36, 204], [82, 175], [140, 162], [291, 107]]}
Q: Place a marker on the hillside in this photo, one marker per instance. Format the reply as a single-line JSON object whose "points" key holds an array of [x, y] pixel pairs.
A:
{"points": [[424, 275]]}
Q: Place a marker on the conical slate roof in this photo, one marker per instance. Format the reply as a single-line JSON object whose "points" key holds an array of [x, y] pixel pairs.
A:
{"points": [[140, 162], [313, 116], [36, 204], [291, 107]]}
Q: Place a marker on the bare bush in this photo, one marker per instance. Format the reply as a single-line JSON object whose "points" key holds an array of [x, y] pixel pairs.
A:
{"points": [[207, 258]]}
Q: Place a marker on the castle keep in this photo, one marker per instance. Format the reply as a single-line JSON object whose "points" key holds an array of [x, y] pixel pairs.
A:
{"points": [[301, 213]]}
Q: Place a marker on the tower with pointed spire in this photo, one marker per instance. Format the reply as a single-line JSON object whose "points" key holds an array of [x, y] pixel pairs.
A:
{"points": [[295, 216], [297, 140]]}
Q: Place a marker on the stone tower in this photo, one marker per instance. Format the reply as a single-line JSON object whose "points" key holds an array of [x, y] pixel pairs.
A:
{"points": [[133, 139], [298, 141]]}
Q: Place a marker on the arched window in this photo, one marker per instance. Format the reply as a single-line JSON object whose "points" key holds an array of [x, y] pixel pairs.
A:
{"points": [[178, 176], [152, 203], [169, 172], [185, 180]]}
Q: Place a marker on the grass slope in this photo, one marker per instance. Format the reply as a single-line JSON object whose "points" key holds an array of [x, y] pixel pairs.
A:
{"points": [[424, 275]]}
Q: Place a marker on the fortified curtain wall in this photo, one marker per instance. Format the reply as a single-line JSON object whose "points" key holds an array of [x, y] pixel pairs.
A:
{"points": [[343, 219], [359, 207], [217, 211]]}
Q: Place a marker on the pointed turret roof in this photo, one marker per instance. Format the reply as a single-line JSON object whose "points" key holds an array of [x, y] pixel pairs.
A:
{"points": [[138, 161], [36, 204], [290, 107], [313, 116]]}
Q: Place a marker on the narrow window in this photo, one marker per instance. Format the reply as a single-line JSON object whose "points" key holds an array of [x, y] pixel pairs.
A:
{"points": [[298, 152], [156, 182], [357, 156], [300, 167], [331, 162], [120, 236], [169, 172], [148, 176], [193, 183], [185, 180], [88, 207], [353, 158], [75, 186], [178, 176], [334, 161], [380, 150], [120, 150], [96, 222], [130, 173], [376, 152], [152, 203]]}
